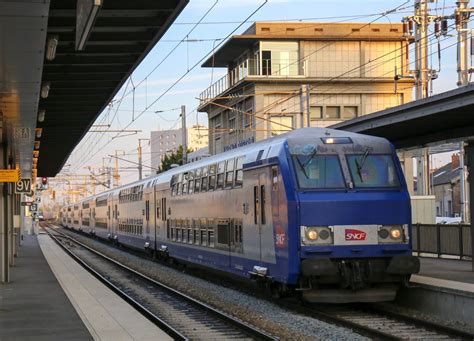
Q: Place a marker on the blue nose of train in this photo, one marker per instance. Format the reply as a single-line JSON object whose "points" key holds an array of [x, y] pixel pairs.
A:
{"points": [[354, 208]]}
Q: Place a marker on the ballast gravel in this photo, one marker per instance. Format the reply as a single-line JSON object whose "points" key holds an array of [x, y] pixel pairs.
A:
{"points": [[284, 324]]}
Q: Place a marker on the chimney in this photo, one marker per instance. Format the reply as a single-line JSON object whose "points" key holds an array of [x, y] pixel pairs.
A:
{"points": [[454, 161]]}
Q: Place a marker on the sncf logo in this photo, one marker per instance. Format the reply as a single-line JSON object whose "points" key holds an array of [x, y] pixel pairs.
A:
{"points": [[352, 234]]}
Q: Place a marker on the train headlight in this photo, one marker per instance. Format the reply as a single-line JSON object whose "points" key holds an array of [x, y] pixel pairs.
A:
{"points": [[316, 235], [311, 234], [395, 233]]}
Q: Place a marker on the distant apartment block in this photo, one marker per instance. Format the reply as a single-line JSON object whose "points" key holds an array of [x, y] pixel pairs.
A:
{"points": [[289, 75], [168, 141]]}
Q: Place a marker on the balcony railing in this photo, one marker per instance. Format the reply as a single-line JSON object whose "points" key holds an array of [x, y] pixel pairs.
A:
{"points": [[277, 68]]}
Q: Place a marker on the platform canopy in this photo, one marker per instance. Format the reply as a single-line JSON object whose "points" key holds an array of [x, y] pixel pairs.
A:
{"points": [[83, 51], [442, 118]]}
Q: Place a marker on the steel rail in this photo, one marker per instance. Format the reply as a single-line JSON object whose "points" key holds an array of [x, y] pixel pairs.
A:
{"points": [[331, 317], [241, 325]]}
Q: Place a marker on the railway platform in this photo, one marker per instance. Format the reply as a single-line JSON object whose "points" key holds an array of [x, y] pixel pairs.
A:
{"points": [[449, 273], [444, 287], [51, 297]]}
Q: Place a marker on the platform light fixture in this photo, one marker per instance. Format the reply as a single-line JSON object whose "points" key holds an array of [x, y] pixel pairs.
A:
{"points": [[36, 153], [51, 47], [38, 132], [45, 89], [37, 144], [41, 115]]}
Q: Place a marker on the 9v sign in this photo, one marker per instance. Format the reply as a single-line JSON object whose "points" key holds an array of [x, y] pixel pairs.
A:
{"points": [[23, 186]]}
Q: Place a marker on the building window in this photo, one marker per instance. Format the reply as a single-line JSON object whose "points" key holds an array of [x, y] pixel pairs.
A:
{"points": [[281, 124], [316, 113], [231, 121], [349, 112], [266, 63], [248, 118], [280, 58], [333, 112]]}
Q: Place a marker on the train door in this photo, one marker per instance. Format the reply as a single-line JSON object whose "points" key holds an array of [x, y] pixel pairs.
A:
{"points": [[109, 214], [160, 212], [114, 216], [260, 207], [147, 196]]}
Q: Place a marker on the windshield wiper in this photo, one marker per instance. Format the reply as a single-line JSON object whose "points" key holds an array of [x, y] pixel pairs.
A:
{"points": [[302, 167], [310, 158], [362, 162]]}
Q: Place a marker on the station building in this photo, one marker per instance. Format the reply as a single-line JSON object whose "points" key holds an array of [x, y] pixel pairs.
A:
{"points": [[165, 142], [287, 75]]}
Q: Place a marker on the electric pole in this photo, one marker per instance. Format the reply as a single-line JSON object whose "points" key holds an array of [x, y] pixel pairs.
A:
{"points": [[423, 75], [140, 166], [185, 134], [462, 17]]}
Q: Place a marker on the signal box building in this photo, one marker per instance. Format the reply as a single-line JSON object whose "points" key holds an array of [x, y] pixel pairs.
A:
{"points": [[289, 75]]}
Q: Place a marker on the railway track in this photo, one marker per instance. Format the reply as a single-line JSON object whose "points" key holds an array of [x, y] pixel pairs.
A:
{"points": [[178, 314], [375, 322], [380, 324]]}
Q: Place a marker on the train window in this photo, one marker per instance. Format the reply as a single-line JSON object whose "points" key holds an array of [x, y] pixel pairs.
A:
{"points": [[229, 179], [197, 185], [204, 183], [229, 175], [373, 170], [220, 167], [203, 237], [212, 169], [239, 173], [220, 175], [174, 190], [223, 233], [190, 186], [190, 231], [274, 178], [220, 181], [204, 171], [210, 238], [196, 236], [185, 188], [212, 183], [197, 173], [318, 171]]}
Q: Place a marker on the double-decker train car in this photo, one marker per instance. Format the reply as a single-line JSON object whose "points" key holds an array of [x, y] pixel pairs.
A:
{"points": [[319, 211]]}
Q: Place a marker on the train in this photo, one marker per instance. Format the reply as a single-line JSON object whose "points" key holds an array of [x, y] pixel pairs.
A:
{"points": [[316, 212]]}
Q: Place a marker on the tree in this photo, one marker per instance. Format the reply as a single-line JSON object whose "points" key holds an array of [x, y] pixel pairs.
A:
{"points": [[173, 158]]}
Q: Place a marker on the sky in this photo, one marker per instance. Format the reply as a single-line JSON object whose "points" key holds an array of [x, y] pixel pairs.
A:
{"points": [[171, 76]]}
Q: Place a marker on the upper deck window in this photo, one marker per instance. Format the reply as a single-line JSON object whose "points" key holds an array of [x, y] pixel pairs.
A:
{"points": [[371, 171], [318, 171]]}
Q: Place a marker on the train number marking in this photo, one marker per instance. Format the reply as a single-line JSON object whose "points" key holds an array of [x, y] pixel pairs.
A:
{"points": [[353, 234]]}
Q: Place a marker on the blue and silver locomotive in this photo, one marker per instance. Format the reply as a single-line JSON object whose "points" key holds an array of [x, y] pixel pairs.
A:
{"points": [[322, 212]]}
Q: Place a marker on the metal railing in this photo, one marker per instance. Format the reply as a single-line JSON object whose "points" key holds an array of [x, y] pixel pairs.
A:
{"points": [[285, 68], [442, 240]]}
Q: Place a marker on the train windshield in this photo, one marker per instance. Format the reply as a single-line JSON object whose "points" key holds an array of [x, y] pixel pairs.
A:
{"points": [[318, 171], [369, 171]]}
